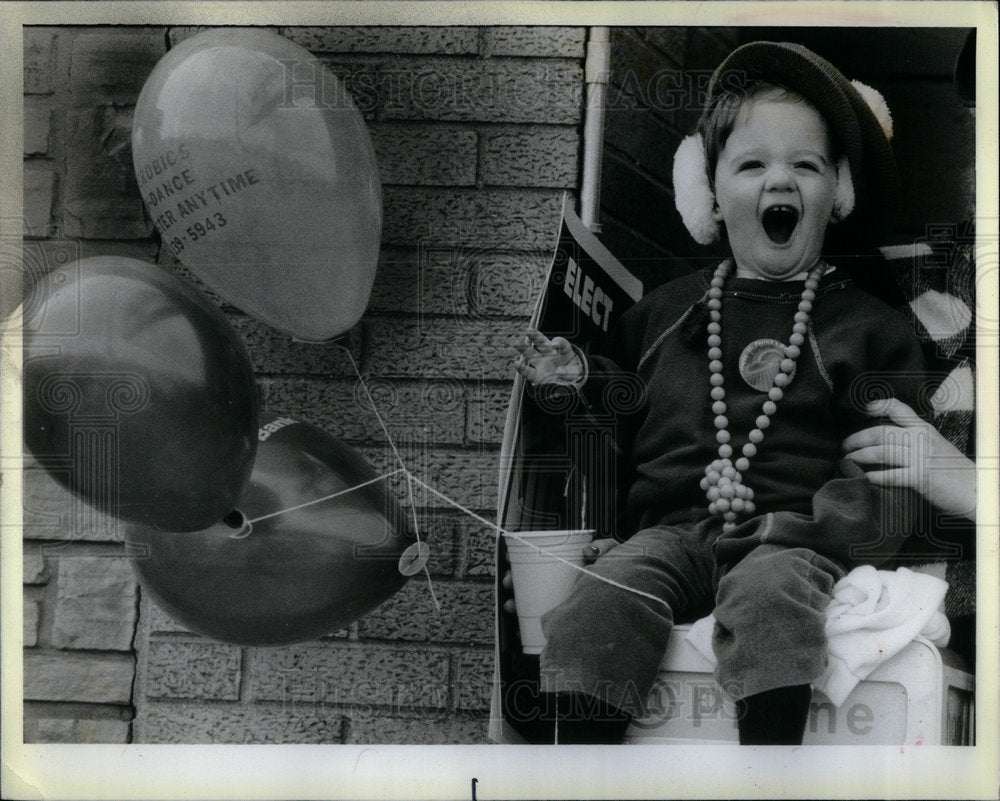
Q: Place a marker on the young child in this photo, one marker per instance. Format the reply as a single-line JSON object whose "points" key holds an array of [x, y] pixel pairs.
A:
{"points": [[754, 373]]}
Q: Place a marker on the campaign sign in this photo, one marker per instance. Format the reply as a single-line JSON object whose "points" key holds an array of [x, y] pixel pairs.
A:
{"points": [[558, 462]]}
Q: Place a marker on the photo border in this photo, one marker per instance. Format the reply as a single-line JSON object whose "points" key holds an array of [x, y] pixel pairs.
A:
{"points": [[495, 771]]}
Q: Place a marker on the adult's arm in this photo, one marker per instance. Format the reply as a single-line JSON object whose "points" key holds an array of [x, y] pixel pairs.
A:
{"points": [[906, 451]]}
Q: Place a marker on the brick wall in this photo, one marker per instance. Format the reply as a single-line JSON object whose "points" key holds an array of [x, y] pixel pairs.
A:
{"points": [[655, 95], [80, 597], [476, 133]]}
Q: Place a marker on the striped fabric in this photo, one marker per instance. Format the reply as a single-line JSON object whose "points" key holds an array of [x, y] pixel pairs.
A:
{"points": [[936, 276]]}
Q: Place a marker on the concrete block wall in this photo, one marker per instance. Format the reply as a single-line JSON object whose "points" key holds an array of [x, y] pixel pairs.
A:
{"points": [[477, 136]]}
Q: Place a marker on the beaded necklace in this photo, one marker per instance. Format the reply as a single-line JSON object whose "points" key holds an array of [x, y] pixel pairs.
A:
{"points": [[728, 496]]}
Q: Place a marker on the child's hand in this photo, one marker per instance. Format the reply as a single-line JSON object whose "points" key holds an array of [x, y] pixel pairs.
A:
{"points": [[597, 549], [548, 361], [591, 554], [913, 454]]}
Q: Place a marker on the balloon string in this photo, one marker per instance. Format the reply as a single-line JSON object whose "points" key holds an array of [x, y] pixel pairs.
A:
{"points": [[327, 497], [499, 531], [416, 528], [513, 534], [371, 402], [402, 464]]}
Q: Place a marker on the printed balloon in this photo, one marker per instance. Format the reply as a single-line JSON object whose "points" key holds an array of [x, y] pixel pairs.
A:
{"points": [[259, 173], [138, 395], [268, 576]]}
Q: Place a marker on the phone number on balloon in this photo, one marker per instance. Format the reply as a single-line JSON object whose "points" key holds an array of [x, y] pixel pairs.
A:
{"points": [[198, 230]]}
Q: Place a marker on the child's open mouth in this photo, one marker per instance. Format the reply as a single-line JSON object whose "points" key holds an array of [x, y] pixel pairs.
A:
{"points": [[779, 222]]}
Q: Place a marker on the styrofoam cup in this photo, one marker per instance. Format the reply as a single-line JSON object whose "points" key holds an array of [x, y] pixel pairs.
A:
{"points": [[541, 580]]}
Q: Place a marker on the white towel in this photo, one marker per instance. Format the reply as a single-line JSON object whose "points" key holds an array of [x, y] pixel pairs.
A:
{"points": [[872, 616]]}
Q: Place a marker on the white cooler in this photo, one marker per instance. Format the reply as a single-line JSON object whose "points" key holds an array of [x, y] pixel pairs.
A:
{"points": [[921, 696]]}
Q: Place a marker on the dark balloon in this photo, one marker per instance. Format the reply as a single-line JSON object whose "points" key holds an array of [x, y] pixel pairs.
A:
{"points": [[138, 395], [288, 577], [258, 171]]}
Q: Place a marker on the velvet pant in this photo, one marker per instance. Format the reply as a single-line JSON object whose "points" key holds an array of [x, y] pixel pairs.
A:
{"points": [[768, 581]]}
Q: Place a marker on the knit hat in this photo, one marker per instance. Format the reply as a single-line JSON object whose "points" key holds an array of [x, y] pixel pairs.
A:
{"points": [[858, 118]]}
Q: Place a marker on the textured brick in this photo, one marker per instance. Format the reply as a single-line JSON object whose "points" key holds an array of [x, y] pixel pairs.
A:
{"points": [[479, 542], [158, 621], [101, 199], [30, 614], [193, 670], [454, 40], [89, 678], [537, 40], [337, 407], [441, 348], [429, 411], [95, 604], [474, 680], [493, 90], [431, 280], [458, 280], [110, 65], [39, 187], [33, 569], [425, 155], [499, 219], [488, 405], [343, 674], [506, 284], [466, 477], [533, 157], [377, 729], [438, 532], [52, 512], [70, 730], [442, 530], [357, 74], [179, 33], [466, 615], [272, 351], [37, 128], [39, 50], [233, 724]]}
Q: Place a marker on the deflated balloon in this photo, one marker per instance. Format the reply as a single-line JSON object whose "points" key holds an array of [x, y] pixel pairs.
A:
{"points": [[291, 563], [259, 173], [138, 395]]}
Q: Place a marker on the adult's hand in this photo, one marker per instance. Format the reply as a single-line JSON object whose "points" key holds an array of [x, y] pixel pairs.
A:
{"points": [[909, 452]]}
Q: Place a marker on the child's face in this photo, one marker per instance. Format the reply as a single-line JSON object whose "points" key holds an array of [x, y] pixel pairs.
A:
{"points": [[775, 185]]}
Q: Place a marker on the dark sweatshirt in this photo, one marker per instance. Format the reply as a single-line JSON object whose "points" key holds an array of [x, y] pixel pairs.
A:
{"points": [[857, 348]]}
